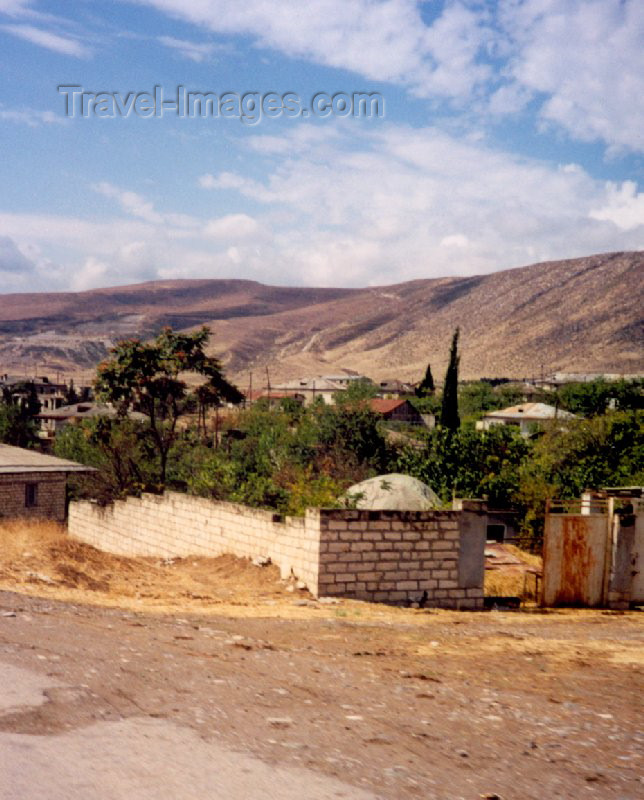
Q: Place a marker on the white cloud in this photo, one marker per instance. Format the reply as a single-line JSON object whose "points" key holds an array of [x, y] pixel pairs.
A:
{"points": [[420, 203], [625, 206], [454, 240], [359, 208], [22, 267], [14, 7], [383, 40], [207, 181], [585, 59], [11, 257], [131, 202], [56, 42], [92, 273], [580, 61], [232, 227], [193, 51], [137, 206], [31, 117]]}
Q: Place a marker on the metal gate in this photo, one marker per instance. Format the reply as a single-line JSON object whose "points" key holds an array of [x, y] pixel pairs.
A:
{"points": [[577, 554]]}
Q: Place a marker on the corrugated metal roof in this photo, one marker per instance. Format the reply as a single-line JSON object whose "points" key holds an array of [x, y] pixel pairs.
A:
{"points": [[18, 460]]}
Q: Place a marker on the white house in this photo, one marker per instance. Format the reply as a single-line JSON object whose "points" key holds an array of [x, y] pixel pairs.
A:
{"points": [[526, 417]]}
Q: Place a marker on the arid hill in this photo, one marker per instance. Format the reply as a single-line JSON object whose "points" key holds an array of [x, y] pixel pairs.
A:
{"points": [[582, 314]]}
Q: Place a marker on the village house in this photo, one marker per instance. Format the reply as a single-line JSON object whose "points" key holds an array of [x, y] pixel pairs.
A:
{"points": [[310, 389], [528, 417], [52, 421], [49, 394], [33, 484], [393, 388], [396, 410], [551, 383]]}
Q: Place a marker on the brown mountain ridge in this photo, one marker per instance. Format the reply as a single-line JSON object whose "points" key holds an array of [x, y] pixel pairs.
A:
{"points": [[582, 314]]}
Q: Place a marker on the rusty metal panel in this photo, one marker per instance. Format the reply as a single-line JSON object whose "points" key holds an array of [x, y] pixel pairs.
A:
{"points": [[574, 559], [637, 563]]}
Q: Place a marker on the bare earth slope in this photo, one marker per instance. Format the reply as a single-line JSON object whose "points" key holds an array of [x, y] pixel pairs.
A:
{"points": [[581, 314]]}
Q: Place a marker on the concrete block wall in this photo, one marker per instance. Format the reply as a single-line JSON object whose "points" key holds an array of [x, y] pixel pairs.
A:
{"points": [[399, 557], [50, 496], [435, 558], [176, 524]]}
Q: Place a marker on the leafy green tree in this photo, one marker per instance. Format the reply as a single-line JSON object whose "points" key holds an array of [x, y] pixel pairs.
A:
{"points": [[450, 419], [357, 393], [119, 451], [477, 397], [147, 377], [18, 409], [354, 430], [594, 398], [426, 386], [469, 463], [606, 450]]}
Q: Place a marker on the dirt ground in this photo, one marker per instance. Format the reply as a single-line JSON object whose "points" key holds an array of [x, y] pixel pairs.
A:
{"points": [[400, 702]]}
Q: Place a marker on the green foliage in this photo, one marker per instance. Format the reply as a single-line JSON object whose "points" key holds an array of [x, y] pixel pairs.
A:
{"points": [[449, 409], [590, 453], [469, 463], [477, 397], [147, 377], [605, 450], [17, 424], [429, 404], [595, 397], [288, 457], [117, 449], [357, 393]]}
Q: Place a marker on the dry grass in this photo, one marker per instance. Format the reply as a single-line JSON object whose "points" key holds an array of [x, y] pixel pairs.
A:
{"points": [[514, 581], [41, 558], [499, 583], [531, 559]]}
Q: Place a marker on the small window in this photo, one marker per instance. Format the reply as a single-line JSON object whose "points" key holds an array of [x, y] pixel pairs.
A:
{"points": [[31, 495]]}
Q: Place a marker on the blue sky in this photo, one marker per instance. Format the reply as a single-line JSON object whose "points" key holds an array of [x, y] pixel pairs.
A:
{"points": [[513, 132]]}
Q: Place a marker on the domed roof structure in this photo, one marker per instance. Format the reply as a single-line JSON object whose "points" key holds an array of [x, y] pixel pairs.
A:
{"points": [[395, 492]]}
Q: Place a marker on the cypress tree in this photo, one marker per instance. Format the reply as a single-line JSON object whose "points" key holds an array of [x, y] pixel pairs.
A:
{"points": [[449, 408], [426, 386]]}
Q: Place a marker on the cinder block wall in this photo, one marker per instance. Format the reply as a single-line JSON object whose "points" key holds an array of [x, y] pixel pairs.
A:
{"points": [[51, 496], [435, 558], [401, 557], [176, 524]]}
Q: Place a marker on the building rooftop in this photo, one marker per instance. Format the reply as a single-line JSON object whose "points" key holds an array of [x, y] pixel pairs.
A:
{"points": [[383, 405], [319, 384], [86, 411], [535, 411], [18, 460]]}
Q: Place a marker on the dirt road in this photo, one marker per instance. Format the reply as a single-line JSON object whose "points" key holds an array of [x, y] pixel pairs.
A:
{"points": [[411, 704], [210, 678]]}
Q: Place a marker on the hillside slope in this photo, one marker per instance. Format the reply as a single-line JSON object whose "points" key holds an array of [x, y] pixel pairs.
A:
{"points": [[581, 314]]}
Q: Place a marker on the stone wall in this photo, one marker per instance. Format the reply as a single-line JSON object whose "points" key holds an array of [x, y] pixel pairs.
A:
{"points": [[401, 557], [50, 499]]}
